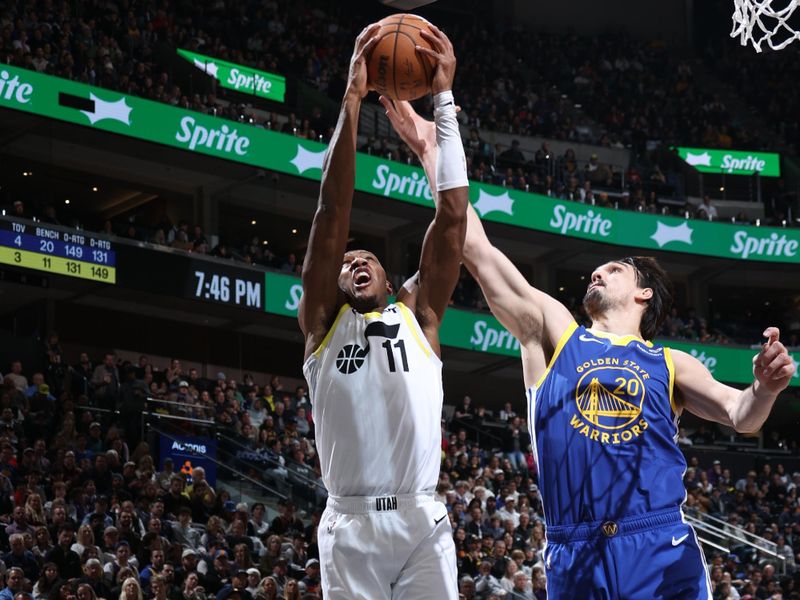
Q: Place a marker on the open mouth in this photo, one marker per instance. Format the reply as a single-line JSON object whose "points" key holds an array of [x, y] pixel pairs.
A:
{"points": [[361, 278]]}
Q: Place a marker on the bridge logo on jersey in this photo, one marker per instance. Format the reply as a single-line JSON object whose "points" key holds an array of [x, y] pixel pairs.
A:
{"points": [[352, 356], [609, 400]]}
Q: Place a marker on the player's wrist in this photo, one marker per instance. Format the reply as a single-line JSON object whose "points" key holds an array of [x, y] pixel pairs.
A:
{"points": [[443, 99], [354, 93]]}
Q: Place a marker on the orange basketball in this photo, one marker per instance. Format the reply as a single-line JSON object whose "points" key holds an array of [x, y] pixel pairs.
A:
{"points": [[395, 69]]}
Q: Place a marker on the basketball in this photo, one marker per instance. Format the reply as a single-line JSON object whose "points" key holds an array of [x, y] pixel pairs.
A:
{"points": [[395, 69]]}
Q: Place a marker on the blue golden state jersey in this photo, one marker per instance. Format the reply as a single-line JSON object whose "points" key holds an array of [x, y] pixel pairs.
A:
{"points": [[604, 426]]}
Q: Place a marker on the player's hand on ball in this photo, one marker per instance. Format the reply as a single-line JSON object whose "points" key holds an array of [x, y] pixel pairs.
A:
{"points": [[357, 81], [773, 367], [444, 56], [418, 133]]}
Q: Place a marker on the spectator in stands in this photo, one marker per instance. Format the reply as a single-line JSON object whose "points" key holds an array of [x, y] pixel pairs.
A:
{"points": [[707, 210], [516, 442], [20, 557], [486, 584], [15, 583], [105, 381]]}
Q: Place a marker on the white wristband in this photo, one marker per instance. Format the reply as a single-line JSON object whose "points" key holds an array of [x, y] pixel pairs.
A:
{"points": [[451, 163]]}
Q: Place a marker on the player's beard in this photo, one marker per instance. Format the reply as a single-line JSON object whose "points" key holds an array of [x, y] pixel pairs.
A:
{"points": [[596, 303]]}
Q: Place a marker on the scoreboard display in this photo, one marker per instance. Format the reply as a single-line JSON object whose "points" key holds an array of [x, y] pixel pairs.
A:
{"points": [[43, 247]]}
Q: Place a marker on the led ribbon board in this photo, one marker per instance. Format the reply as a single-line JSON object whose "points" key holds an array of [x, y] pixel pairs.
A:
{"points": [[732, 162], [159, 123], [239, 78]]}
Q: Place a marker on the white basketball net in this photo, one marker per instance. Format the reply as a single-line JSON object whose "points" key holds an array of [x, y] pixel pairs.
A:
{"points": [[757, 22]]}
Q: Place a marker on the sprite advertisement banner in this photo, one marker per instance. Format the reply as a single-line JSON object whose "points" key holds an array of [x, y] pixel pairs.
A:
{"points": [[239, 78], [77, 103], [481, 332], [732, 162]]}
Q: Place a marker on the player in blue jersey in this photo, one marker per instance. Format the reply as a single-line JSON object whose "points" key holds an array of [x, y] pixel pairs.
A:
{"points": [[604, 404]]}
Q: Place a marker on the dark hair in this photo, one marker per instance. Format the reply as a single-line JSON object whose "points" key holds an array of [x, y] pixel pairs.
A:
{"points": [[649, 274]]}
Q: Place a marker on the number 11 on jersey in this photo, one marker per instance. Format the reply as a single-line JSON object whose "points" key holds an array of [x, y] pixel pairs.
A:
{"points": [[390, 354]]}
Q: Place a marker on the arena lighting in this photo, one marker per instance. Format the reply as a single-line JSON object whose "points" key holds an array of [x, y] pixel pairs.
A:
{"points": [[66, 201], [94, 188], [253, 222], [406, 4], [265, 242], [294, 230]]}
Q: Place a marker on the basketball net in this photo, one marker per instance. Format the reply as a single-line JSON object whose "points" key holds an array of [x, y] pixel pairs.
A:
{"points": [[757, 22]]}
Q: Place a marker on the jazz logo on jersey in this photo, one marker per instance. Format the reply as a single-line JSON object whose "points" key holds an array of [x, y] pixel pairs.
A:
{"points": [[609, 400], [352, 356]]}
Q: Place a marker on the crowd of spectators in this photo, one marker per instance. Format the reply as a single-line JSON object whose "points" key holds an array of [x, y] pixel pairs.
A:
{"points": [[92, 512], [630, 93]]}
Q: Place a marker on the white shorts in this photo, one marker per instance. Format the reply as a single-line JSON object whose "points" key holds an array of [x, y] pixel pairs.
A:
{"points": [[394, 547]]}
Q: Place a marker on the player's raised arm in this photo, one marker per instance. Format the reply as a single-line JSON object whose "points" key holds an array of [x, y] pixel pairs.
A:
{"points": [[744, 410], [330, 228], [520, 307], [429, 291]]}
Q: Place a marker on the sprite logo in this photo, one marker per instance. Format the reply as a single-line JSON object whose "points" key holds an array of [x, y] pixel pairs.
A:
{"points": [[388, 183], [293, 301], [592, 223], [13, 89], [250, 81], [746, 245], [734, 162], [484, 337], [222, 138]]}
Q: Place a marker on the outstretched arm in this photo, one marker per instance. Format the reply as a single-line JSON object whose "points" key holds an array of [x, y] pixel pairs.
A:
{"points": [[429, 291], [744, 410], [533, 317], [329, 230]]}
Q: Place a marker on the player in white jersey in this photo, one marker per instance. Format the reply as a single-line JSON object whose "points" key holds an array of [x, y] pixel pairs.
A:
{"points": [[374, 371]]}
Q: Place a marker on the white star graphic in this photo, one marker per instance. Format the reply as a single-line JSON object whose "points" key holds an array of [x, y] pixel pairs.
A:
{"points": [[210, 68], [488, 203], [305, 160], [116, 111], [698, 160], [666, 233]]}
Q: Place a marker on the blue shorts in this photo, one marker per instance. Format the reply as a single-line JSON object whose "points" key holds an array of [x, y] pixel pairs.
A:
{"points": [[651, 556]]}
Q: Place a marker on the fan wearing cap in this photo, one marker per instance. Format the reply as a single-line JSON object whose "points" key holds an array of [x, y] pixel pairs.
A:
{"points": [[253, 579], [237, 586], [312, 577]]}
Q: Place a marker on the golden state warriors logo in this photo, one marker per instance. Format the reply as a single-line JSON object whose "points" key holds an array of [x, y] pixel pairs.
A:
{"points": [[609, 396], [614, 406]]}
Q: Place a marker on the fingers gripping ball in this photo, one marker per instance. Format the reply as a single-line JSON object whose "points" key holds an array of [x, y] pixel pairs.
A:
{"points": [[395, 69]]}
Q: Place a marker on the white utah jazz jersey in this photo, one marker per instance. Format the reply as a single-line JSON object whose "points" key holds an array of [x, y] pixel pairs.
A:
{"points": [[376, 393]]}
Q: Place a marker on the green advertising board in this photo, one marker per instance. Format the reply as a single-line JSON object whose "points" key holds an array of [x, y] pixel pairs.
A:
{"points": [[481, 332], [239, 78], [732, 162], [159, 123]]}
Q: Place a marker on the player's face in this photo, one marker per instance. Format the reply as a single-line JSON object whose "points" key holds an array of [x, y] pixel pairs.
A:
{"points": [[363, 280], [612, 285]]}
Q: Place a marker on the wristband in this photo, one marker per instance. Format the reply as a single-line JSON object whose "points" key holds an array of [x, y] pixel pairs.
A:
{"points": [[443, 99], [451, 163]]}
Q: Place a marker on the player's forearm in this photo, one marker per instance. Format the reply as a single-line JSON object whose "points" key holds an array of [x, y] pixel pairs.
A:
{"points": [[475, 239], [751, 407], [339, 166]]}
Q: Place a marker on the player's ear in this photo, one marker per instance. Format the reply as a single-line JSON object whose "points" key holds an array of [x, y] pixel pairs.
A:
{"points": [[389, 287], [645, 293]]}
